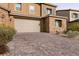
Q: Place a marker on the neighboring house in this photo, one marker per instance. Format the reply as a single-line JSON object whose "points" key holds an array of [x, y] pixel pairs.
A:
{"points": [[33, 17], [71, 14]]}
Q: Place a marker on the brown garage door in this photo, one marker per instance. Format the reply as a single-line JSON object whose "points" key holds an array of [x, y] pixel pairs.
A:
{"points": [[26, 25]]}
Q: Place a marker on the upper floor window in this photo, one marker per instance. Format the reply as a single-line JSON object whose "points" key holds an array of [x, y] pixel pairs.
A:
{"points": [[18, 6], [31, 9], [49, 11], [74, 15], [58, 23]]}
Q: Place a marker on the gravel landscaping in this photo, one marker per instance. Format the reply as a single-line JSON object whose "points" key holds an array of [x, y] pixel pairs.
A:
{"points": [[43, 44]]}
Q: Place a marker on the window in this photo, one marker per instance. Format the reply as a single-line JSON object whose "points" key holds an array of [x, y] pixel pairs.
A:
{"points": [[31, 9], [74, 15], [58, 23], [49, 11], [18, 6]]}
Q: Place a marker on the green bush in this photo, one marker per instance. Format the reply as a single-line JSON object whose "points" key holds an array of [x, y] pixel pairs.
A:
{"points": [[6, 34], [73, 26], [71, 34]]}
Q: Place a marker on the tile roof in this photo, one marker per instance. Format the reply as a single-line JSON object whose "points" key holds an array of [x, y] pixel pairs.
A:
{"points": [[69, 10]]}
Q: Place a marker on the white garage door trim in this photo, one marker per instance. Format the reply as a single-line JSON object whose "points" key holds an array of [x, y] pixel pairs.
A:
{"points": [[27, 25]]}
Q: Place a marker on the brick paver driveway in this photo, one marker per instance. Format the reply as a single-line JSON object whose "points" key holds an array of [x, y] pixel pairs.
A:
{"points": [[42, 44]]}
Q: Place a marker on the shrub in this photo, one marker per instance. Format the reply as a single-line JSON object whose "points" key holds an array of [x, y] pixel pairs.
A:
{"points": [[71, 34], [6, 35], [73, 26]]}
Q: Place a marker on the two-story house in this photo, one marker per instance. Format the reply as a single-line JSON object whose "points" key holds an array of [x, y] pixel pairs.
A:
{"points": [[71, 14], [32, 17]]}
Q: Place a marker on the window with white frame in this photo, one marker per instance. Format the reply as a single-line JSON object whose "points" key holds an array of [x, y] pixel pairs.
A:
{"points": [[18, 6], [31, 9], [49, 11], [58, 23], [74, 15]]}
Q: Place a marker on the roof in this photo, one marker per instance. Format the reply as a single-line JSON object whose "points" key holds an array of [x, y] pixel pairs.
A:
{"points": [[58, 17], [74, 21], [69, 10], [50, 4]]}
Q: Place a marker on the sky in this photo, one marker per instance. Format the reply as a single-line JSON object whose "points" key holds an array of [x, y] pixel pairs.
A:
{"points": [[67, 5]]}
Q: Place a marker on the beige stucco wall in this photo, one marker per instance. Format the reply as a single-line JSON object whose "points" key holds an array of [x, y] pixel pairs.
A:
{"points": [[25, 9], [39, 9], [71, 12], [4, 5], [47, 6], [5, 18], [52, 27]]}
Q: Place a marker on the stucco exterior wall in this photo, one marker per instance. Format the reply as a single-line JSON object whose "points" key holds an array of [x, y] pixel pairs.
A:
{"points": [[25, 9], [47, 6], [39, 9], [71, 18], [4, 5], [52, 27], [5, 18]]}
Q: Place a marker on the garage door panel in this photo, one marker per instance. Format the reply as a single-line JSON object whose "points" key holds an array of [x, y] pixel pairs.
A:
{"points": [[26, 25]]}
